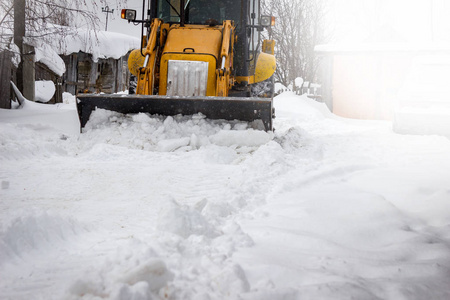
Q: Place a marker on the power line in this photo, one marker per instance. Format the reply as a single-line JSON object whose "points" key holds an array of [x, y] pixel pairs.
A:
{"points": [[107, 11]]}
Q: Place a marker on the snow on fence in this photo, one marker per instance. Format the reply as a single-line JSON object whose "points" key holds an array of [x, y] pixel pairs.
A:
{"points": [[312, 90]]}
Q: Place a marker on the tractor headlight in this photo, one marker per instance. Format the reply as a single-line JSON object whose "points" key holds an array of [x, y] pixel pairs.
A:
{"points": [[267, 21], [128, 14]]}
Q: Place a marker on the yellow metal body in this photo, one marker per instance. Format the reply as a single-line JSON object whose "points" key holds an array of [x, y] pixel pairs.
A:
{"points": [[226, 57], [194, 43], [211, 83], [211, 44], [265, 66], [187, 68], [135, 61], [147, 73], [268, 47]]}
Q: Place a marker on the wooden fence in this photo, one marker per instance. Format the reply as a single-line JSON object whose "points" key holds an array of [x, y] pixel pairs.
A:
{"points": [[312, 90], [5, 78]]}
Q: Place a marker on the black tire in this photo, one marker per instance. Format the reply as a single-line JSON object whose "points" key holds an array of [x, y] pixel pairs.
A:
{"points": [[132, 85]]}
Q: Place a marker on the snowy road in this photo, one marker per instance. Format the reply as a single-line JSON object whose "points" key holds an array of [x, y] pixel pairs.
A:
{"points": [[179, 208]]}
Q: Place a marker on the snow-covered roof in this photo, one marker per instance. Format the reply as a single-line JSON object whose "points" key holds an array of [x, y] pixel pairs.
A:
{"points": [[55, 40], [100, 44]]}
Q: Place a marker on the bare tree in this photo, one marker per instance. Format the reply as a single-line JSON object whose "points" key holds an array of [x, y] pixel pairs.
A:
{"points": [[42, 20], [299, 28]]}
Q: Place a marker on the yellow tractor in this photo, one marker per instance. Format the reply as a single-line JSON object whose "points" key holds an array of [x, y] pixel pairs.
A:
{"points": [[198, 56]]}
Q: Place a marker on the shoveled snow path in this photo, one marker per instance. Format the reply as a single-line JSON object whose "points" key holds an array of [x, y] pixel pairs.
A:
{"points": [[120, 200], [368, 219], [157, 215], [152, 208]]}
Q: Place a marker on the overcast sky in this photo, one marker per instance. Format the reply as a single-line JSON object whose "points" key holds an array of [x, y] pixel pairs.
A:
{"points": [[350, 20], [115, 23], [414, 20]]}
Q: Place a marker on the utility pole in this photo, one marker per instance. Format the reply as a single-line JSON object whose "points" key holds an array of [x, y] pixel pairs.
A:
{"points": [[19, 33], [107, 11]]}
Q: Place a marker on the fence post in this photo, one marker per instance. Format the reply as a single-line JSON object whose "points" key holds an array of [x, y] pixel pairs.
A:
{"points": [[5, 78], [29, 72]]}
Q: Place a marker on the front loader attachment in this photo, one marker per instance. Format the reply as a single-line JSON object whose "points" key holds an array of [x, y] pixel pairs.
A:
{"points": [[227, 108]]}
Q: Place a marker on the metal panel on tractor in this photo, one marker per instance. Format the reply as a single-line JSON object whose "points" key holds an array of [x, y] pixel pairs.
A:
{"points": [[187, 78]]}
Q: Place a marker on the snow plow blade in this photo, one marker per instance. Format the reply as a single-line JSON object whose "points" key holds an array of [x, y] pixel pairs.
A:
{"points": [[226, 108]]}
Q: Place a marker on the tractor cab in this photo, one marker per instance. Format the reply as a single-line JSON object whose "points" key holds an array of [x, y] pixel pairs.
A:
{"points": [[244, 14]]}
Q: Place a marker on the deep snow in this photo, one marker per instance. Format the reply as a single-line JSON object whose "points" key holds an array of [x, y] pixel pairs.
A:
{"points": [[145, 207]]}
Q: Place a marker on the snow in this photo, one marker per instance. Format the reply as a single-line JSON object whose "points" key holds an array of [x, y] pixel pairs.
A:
{"points": [[298, 81], [15, 60], [423, 119], [423, 101], [443, 47], [46, 55], [152, 207], [60, 119], [101, 44], [279, 88], [44, 90]]}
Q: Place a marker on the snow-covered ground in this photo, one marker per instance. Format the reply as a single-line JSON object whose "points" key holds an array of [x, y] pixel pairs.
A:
{"points": [[140, 207]]}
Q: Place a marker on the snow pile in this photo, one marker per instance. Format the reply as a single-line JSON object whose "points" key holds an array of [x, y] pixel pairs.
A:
{"points": [[423, 120], [167, 134], [289, 106], [135, 272], [69, 99], [37, 232], [41, 117], [423, 101], [14, 50], [279, 88], [298, 81], [152, 207], [44, 90]]}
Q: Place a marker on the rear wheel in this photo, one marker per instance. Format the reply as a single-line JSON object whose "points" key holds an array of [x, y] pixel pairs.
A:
{"points": [[132, 85]]}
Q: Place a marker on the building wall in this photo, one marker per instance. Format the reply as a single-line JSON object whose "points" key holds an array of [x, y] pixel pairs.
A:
{"points": [[364, 85], [325, 74], [83, 75]]}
